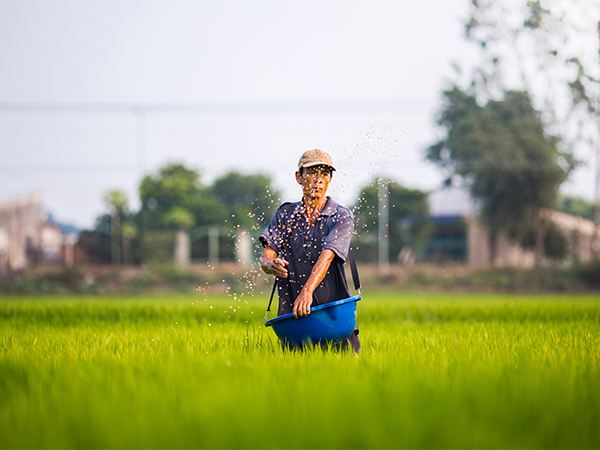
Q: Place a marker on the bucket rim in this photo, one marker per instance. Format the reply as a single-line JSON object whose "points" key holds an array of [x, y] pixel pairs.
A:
{"points": [[355, 298]]}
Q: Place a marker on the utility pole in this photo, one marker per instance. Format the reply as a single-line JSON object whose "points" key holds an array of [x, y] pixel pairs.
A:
{"points": [[141, 140], [115, 237], [596, 238], [213, 246], [383, 222]]}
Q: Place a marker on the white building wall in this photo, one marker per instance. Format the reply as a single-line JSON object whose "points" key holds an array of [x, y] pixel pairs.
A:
{"points": [[22, 219], [579, 232]]}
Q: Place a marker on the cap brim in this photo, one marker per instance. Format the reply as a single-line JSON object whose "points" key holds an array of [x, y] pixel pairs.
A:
{"points": [[317, 163]]}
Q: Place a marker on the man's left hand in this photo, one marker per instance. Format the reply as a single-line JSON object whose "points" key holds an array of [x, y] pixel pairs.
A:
{"points": [[302, 304]]}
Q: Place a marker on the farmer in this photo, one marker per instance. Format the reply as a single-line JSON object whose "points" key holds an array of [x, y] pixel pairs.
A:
{"points": [[307, 242]]}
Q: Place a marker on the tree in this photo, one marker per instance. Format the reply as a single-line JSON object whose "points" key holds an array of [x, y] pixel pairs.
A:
{"points": [[550, 49], [117, 201], [545, 47], [407, 211], [575, 206], [173, 201], [96, 243], [500, 150], [129, 232], [556, 245], [175, 198], [249, 199]]}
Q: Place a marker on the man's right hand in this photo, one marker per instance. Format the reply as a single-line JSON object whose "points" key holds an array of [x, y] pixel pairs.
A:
{"points": [[277, 267], [270, 264]]}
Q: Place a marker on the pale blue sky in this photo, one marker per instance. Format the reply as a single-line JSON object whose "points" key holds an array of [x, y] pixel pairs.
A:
{"points": [[360, 79]]}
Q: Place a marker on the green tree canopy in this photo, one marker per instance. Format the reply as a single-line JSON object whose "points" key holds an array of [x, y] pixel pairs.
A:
{"points": [[503, 154], [174, 198], [547, 48], [180, 218], [116, 200], [249, 200]]}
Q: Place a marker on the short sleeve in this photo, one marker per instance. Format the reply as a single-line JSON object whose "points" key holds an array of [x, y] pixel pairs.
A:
{"points": [[340, 233], [273, 235]]}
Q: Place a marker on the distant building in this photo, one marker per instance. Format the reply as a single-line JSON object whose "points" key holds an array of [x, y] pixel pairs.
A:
{"points": [[458, 236], [21, 233], [28, 238]]}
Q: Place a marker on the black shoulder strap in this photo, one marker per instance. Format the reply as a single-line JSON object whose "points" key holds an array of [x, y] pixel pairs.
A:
{"points": [[271, 299], [355, 279], [354, 271]]}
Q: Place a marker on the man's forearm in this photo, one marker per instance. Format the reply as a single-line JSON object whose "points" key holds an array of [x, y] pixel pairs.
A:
{"points": [[267, 258], [319, 271]]}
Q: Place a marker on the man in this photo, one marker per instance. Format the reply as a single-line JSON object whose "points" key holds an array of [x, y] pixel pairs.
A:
{"points": [[307, 243]]}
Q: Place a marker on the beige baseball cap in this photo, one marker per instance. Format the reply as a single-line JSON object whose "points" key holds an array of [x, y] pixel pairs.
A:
{"points": [[315, 157]]}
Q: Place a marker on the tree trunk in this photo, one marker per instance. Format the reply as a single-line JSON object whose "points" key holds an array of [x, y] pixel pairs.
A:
{"points": [[492, 241], [115, 248], [127, 252], [541, 225]]}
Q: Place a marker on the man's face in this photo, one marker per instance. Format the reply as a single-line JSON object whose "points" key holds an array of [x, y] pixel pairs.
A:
{"points": [[315, 181]]}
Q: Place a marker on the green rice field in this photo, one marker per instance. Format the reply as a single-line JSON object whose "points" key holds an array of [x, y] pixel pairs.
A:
{"points": [[435, 371]]}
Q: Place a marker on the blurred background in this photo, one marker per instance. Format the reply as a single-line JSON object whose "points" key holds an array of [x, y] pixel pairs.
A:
{"points": [[145, 145]]}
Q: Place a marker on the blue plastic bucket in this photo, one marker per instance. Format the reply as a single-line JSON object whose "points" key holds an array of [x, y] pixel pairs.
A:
{"points": [[332, 322]]}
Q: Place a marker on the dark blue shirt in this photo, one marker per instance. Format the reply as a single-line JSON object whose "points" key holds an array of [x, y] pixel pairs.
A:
{"points": [[301, 243]]}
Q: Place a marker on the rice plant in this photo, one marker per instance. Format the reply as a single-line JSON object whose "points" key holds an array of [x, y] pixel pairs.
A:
{"points": [[443, 371]]}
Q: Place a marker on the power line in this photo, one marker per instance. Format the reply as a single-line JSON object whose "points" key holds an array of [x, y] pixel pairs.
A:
{"points": [[66, 168], [136, 108]]}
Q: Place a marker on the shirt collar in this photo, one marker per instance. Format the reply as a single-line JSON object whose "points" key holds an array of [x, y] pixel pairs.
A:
{"points": [[328, 210]]}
